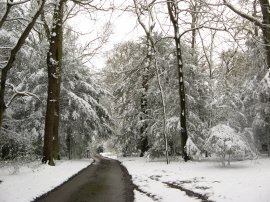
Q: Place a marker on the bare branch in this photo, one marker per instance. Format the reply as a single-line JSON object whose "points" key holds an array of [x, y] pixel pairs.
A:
{"points": [[244, 15]]}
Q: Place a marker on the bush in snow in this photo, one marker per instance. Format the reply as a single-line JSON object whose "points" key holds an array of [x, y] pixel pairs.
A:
{"points": [[157, 150], [192, 149], [224, 141]]}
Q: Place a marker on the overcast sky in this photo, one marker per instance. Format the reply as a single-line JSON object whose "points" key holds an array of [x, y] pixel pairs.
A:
{"points": [[123, 25]]}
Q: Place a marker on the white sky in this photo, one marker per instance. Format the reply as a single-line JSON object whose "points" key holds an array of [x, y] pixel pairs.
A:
{"points": [[124, 27]]}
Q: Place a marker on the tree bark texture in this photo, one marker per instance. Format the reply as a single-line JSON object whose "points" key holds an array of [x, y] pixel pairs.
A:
{"points": [[54, 62], [173, 13], [265, 8], [56, 154]]}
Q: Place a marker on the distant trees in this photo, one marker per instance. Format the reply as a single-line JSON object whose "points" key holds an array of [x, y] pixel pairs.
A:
{"points": [[168, 90], [214, 90]]}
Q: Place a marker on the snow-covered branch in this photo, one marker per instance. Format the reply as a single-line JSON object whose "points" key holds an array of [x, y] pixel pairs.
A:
{"points": [[11, 2], [244, 15], [18, 93]]}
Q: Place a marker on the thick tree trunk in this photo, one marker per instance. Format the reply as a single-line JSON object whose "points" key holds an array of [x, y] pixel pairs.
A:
{"points": [[173, 13], [2, 96], [54, 62], [56, 154], [265, 8]]}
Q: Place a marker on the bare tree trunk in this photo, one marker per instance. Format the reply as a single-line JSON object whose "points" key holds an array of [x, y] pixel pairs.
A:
{"points": [[56, 154], [144, 113], [173, 13], [194, 19], [164, 112], [54, 62], [3, 19], [2, 95], [255, 15], [266, 28], [14, 51], [69, 142], [151, 55]]}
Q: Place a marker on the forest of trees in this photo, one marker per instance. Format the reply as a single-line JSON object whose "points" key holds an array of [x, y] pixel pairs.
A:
{"points": [[194, 83]]}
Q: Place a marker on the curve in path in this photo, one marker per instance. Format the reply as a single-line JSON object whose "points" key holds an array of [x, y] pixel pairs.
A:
{"points": [[103, 181]]}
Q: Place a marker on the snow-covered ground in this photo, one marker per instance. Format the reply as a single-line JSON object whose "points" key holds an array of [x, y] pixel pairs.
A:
{"points": [[243, 181], [24, 183]]}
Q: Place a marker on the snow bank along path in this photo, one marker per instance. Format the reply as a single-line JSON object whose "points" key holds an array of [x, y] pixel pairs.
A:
{"points": [[243, 181], [34, 179]]}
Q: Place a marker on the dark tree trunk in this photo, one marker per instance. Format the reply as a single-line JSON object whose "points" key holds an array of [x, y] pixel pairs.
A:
{"points": [[144, 105], [3, 19], [69, 143], [255, 15], [54, 62], [193, 26], [2, 95], [56, 154], [173, 13], [265, 8], [266, 36]]}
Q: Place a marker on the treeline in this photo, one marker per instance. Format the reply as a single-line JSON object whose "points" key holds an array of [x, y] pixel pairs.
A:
{"points": [[196, 83]]}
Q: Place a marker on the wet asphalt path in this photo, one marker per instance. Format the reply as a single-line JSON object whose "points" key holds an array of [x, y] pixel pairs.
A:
{"points": [[106, 180]]}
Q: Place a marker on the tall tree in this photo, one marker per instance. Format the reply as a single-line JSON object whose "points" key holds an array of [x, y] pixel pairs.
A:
{"points": [[173, 11], [151, 58], [54, 64]]}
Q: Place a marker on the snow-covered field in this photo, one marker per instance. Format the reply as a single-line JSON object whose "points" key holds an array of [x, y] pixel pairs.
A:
{"points": [[243, 181], [24, 183]]}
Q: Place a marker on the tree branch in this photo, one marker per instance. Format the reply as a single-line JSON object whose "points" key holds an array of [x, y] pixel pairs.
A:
{"points": [[244, 15], [18, 93]]}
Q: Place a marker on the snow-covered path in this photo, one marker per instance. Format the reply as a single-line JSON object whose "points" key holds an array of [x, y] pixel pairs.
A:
{"points": [[24, 183], [244, 181]]}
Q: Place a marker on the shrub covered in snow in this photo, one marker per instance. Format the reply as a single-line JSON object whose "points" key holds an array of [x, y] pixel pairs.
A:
{"points": [[225, 142], [192, 149], [157, 150]]}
